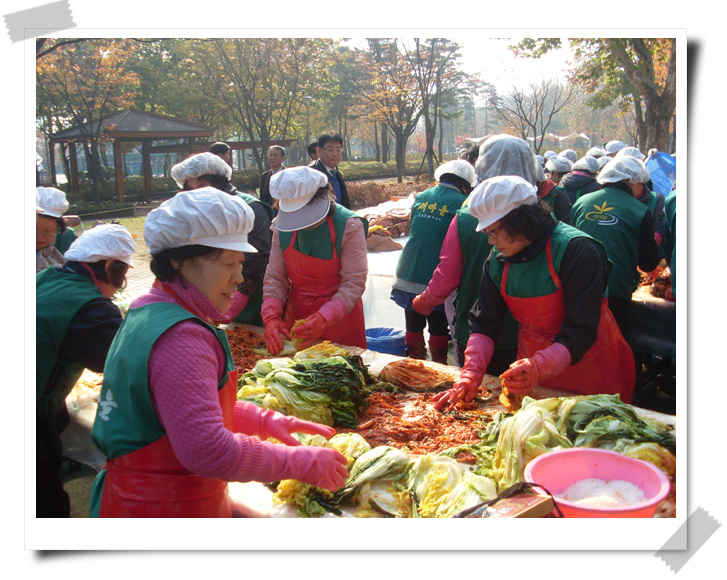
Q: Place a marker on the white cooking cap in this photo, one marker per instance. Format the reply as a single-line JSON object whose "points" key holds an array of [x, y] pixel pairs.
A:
{"points": [[569, 154], [102, 242], [587, 163], [52, 201], [460, 168], [614, 146], [200, 164], [631, 152], [496, 197], [204, 216], [295, 188], [596, 152], [549, 154], [624, 169], [559, 164]]}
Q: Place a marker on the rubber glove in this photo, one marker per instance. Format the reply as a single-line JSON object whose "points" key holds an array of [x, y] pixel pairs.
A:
{"points": [[271, 312], [320, 466], [477, 356], [281, 427], [424, 304], [311, 329], [524, 374]]}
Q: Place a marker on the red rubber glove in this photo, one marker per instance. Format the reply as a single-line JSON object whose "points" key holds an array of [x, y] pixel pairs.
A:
{"points": [[274, 327], [424, 304], [524, 374], [320, 466], [477, 356], [271, 311], [311, 329], [274, 424]]}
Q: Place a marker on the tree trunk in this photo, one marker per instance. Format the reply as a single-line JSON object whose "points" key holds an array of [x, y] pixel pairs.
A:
{"points": [[377, 149], [384, 144], [658, 121], [400, 155]]}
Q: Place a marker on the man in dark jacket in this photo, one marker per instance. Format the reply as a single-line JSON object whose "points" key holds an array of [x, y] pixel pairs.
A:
{"points": [[276, 158], [330, 150]]}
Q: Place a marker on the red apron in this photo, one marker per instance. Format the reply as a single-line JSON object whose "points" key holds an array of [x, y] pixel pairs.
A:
{"points": [[313, 282], [151, 483], [607, 367]]}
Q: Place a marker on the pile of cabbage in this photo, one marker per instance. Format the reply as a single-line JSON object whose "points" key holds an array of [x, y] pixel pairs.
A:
{"points": [[324, 383], [385, 480], [511, 441]]}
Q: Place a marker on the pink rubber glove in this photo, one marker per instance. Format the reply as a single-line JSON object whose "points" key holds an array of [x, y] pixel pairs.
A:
{"points": [[271, 312], [311, 329], [424, 304], [320, 466], [524, 374], [281, 427], [477, 356]]}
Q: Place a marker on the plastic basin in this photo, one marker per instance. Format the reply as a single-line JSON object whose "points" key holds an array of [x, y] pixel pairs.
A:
{"points": [[557, 470], [387, 340]]}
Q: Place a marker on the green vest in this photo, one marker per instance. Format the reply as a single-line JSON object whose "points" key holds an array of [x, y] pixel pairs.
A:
{"points": [[532, 279], [550, 198], [670, 209], [58, 298], [317, 242], [125, 418], [475, 249], [613, 217], [64, 240], [431, 214], [251, 313]]}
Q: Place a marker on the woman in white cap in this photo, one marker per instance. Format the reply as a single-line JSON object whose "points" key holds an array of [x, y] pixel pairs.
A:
{"points": [[464, 250], [625, 226], [168, 420], [318, 264], [76, 323], [48, 224], [556, 168], [581, 180], [552, 278], [431, 213], [211, 170]]}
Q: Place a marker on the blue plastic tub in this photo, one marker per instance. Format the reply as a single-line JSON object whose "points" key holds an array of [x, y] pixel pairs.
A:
{"points": [[387, 340]]}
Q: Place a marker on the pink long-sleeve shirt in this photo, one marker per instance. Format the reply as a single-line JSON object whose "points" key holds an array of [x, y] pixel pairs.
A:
{"points": [[448, 273], [185, 366]]}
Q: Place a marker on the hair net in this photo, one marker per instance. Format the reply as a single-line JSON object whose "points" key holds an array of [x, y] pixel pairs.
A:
{"points": [[631, 152], [496, 197], [102, 242], [614, 146], [508, 155], [603, 161], [596, 152], [589, 164], [624, 169], [549, 154], [569, 154], [52, 201], [559, 164], [204, 216], [460, 168], [198, 165]]}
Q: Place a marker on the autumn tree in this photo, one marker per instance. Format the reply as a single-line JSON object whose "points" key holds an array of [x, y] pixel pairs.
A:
{"points": [[391, 92], [263, 83], [637, 73], [80, 83]]}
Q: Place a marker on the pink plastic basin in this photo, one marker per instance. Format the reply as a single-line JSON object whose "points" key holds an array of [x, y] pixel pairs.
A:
{"points": [[559, 469]]}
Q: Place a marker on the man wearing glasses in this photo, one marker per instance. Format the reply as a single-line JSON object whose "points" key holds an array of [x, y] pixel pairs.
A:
{"points": [[330, 149]]}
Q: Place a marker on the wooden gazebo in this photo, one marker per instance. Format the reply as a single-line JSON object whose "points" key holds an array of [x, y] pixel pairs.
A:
{"points": [[135, 126]]}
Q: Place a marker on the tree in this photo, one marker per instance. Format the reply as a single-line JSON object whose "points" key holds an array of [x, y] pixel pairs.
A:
{"points": [[263, 83], [433, 64], [531, 111], [391, 92], [80, 83], [638, 73]]}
